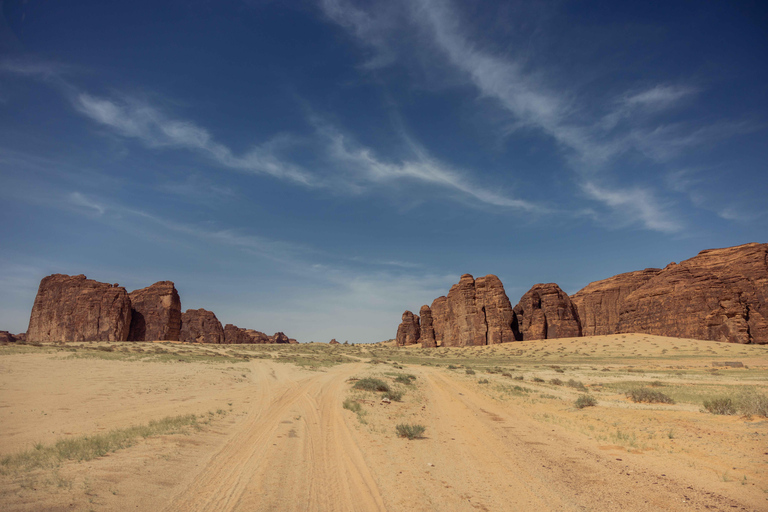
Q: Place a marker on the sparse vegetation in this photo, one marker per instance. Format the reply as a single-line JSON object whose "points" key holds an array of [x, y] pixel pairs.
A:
{"points": [[556, 382], [470, 371], [585, 401], [410, 431], [371, 384], [395, 396], [86, 448], [645, 395], [720, 405], [575, 384], [406, 379], [483, 381]]}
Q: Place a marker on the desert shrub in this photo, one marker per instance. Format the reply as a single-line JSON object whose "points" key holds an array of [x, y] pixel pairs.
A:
{"points": [[352, 405], [452, 367], [753, 403], [657, 384], [483, 381], [395, 396], [519, 377], [649, 396], [556, 382], [559, 370], [470, 371], [538, 379], [410, 431], [585, 401], [576, 385], [720, 405], [370, 384], [506, 374], [405, 378]]}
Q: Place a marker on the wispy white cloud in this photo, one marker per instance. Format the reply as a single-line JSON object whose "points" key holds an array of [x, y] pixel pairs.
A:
{"points": [[131, 118], [80, 200], [635, 205]]}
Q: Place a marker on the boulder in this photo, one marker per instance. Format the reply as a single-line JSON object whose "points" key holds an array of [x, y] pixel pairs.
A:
{"points": [[409, 331], [75, 308], [546, 312], [156, 313], [7, 337], [427, 330], [598, 303], [201, 326], [719, 295]]}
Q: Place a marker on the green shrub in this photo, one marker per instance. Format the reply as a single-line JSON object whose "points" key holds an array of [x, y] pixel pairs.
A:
{"points": [[483, 381], [585, 401], [470, 371], [576, 385], [395, 396], [649, 396], [370, 384], [352, 405], [410, 431], [720, 405], [405, 379]]}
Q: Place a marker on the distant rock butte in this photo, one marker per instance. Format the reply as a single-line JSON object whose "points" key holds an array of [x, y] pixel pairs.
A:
{"points": [[201, 326], [409, 331], [333, 342], [75, 308], [719, 295], [7, 337], [156, 313], [546, 312]]}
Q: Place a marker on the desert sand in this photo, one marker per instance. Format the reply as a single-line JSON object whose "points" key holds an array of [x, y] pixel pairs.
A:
{"points": [[272, 432]]}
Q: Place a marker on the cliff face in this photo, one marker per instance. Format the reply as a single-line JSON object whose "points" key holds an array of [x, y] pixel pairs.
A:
{"points": [[74, 308], [598, 303], [156, 313], [719, 295], [201, 326], [545, 312]]}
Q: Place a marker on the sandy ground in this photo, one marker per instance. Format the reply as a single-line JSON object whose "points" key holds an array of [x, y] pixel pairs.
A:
{"points": [[279, 439]]}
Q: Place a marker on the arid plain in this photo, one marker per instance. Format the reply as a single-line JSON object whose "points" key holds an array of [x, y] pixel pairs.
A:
{"points": [[180, 427]]}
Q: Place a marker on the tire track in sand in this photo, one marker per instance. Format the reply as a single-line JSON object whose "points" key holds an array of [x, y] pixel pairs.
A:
{"points": [[293, 452]]}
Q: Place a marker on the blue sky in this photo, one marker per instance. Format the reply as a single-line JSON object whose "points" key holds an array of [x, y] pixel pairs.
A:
{"points": [[317, 167]]}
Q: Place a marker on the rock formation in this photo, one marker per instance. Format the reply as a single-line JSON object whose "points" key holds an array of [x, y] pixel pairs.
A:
{"points": [[201, 326], [236, 335], [7, 337], [75, 308], [427, 330], [409, 331], [719, 295], [156, 313], [279, 337], [333, 342], [598, 303], [546, 312]]}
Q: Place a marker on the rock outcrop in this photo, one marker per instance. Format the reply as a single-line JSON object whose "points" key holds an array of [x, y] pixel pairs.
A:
{"points": [[236, 335], [427, 338], [598, 303], [75, 308], [409, 331], [7, 337], [156, 313], [546, 312], [719, 295], [279, 337], [333, 342], [201, 326]]}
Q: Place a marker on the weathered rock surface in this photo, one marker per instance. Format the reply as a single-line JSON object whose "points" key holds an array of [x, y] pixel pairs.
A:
{"points": [[293, 341], [201, 326], [408, 331], [279, 337], [427, 338], [598, 303], [75, 308], [333, 342], [546, 312], [719, 295], [22, 336], [475, 312], [236, 335], [7, 337], [156, 313]]}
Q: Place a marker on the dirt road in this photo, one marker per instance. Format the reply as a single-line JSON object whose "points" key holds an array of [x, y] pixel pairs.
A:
{"points": [[289, 445]]}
